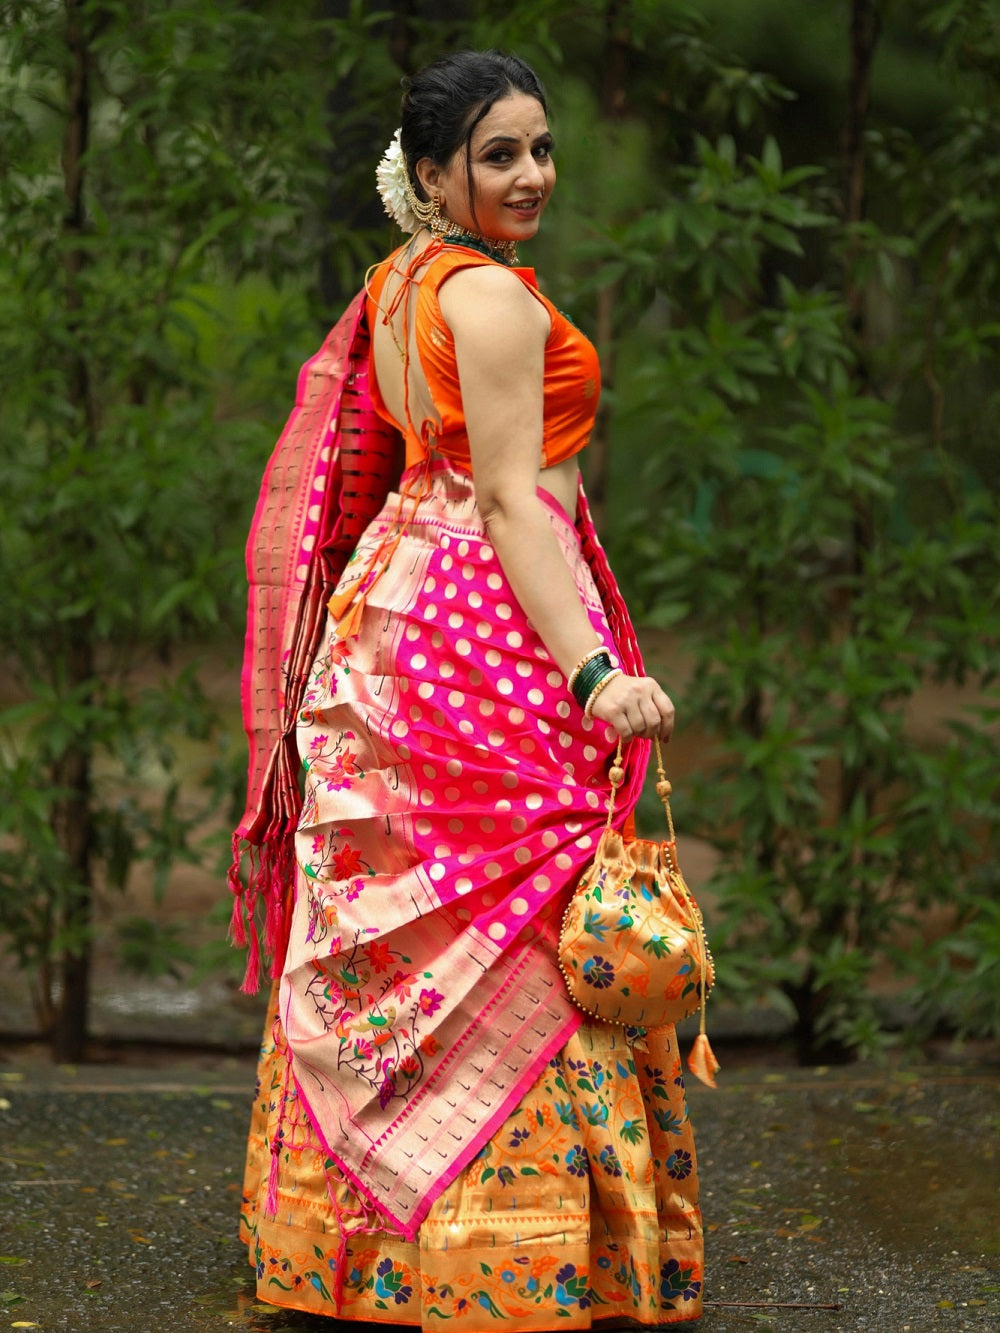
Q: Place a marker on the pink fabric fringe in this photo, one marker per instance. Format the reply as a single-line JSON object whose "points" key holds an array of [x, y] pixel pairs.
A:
{"points": [[329, 474]]}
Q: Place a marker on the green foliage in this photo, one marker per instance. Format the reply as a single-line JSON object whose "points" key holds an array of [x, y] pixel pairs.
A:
{"points": [[960, 985], [154, 154], [813, 517], [801, 412]]}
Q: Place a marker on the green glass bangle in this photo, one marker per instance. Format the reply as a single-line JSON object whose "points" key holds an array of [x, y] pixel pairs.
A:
{"points": [[590, 674], [587, 657], [594, 671], [588, 678], [602, 684]]}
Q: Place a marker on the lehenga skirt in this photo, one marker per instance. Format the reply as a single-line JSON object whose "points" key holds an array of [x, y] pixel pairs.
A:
{"points": [[436, 1136]]}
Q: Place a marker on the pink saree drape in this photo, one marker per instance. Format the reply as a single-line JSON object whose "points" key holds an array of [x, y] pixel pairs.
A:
{"points": [[453, 792], [327, 477]]}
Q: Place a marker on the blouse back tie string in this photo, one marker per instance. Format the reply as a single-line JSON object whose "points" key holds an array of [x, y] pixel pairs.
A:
{"points": [[347, 604]]}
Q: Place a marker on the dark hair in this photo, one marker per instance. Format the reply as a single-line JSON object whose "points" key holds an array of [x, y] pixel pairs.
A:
{"points": [[445, 101]]}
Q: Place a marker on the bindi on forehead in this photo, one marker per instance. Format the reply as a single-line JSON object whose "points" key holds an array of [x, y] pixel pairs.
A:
{"points": [[508, 132]]}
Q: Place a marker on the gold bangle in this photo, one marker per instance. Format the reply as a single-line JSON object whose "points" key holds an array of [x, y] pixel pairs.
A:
{"points": [[601, 685], [589, 657]]}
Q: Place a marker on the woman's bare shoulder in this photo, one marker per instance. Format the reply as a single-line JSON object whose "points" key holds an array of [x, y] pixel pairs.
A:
{"points": [[471, 292]]}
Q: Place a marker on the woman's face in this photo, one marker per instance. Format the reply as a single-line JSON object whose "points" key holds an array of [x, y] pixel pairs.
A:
{"points": [[512, 172]]}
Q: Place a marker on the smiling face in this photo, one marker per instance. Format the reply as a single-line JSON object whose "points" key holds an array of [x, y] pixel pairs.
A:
{"points": [[512, 172]]}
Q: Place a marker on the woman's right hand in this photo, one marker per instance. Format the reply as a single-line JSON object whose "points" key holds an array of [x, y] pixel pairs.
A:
{"points": [[635, 706]]}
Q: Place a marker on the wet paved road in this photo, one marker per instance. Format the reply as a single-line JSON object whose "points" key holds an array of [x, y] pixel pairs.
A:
{"points": [[875, 1191]]}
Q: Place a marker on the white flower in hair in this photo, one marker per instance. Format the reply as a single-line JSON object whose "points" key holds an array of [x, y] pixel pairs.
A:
{"points": [[392, 186]]}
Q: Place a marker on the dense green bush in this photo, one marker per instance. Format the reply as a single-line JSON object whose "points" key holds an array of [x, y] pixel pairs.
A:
{"points": [[795, 457], [147, 150], [802, 496]]}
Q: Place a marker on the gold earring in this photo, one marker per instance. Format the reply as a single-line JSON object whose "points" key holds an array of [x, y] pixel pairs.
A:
{"points": [[429, 213], [438, 222]]}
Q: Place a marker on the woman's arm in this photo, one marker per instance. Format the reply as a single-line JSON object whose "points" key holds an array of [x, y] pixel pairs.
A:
{"points": [[500, 332]]}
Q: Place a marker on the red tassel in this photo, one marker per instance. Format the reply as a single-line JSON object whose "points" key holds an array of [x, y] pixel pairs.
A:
{"points": [[271, 866], [278, 956], [251, 977], [237, 930], [233, 874], [271, 1205], [275, 875]]}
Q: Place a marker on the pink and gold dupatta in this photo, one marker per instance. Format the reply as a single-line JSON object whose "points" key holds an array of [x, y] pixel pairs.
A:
{"points": [[327, 477]]}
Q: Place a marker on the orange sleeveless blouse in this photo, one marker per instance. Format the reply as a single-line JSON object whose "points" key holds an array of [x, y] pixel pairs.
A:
{"points": [[572, 370]]}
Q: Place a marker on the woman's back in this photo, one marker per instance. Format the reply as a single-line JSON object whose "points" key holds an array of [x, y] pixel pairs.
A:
{"points": [[413, 303], [394, 348]]}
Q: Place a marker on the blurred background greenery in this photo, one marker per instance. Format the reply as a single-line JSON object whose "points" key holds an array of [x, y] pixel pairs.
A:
{"points": [[781, 224]]}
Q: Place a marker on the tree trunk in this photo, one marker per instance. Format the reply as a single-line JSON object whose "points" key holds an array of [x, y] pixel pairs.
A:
{"points": [[72, 772], [74, 831], [865, 27]]}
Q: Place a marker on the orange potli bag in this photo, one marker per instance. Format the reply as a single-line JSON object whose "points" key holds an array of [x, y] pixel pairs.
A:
{"points": [[632, 946]]}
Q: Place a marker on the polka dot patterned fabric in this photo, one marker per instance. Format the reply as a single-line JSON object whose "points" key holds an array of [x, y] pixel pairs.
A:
{"points": [[453, 793]]}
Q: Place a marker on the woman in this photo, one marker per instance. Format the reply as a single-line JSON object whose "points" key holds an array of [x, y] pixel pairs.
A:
{"points": [[438, 1136]]}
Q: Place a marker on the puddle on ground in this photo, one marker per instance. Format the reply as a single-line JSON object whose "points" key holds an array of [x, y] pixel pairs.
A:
{"points": [[917, 1170]]}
